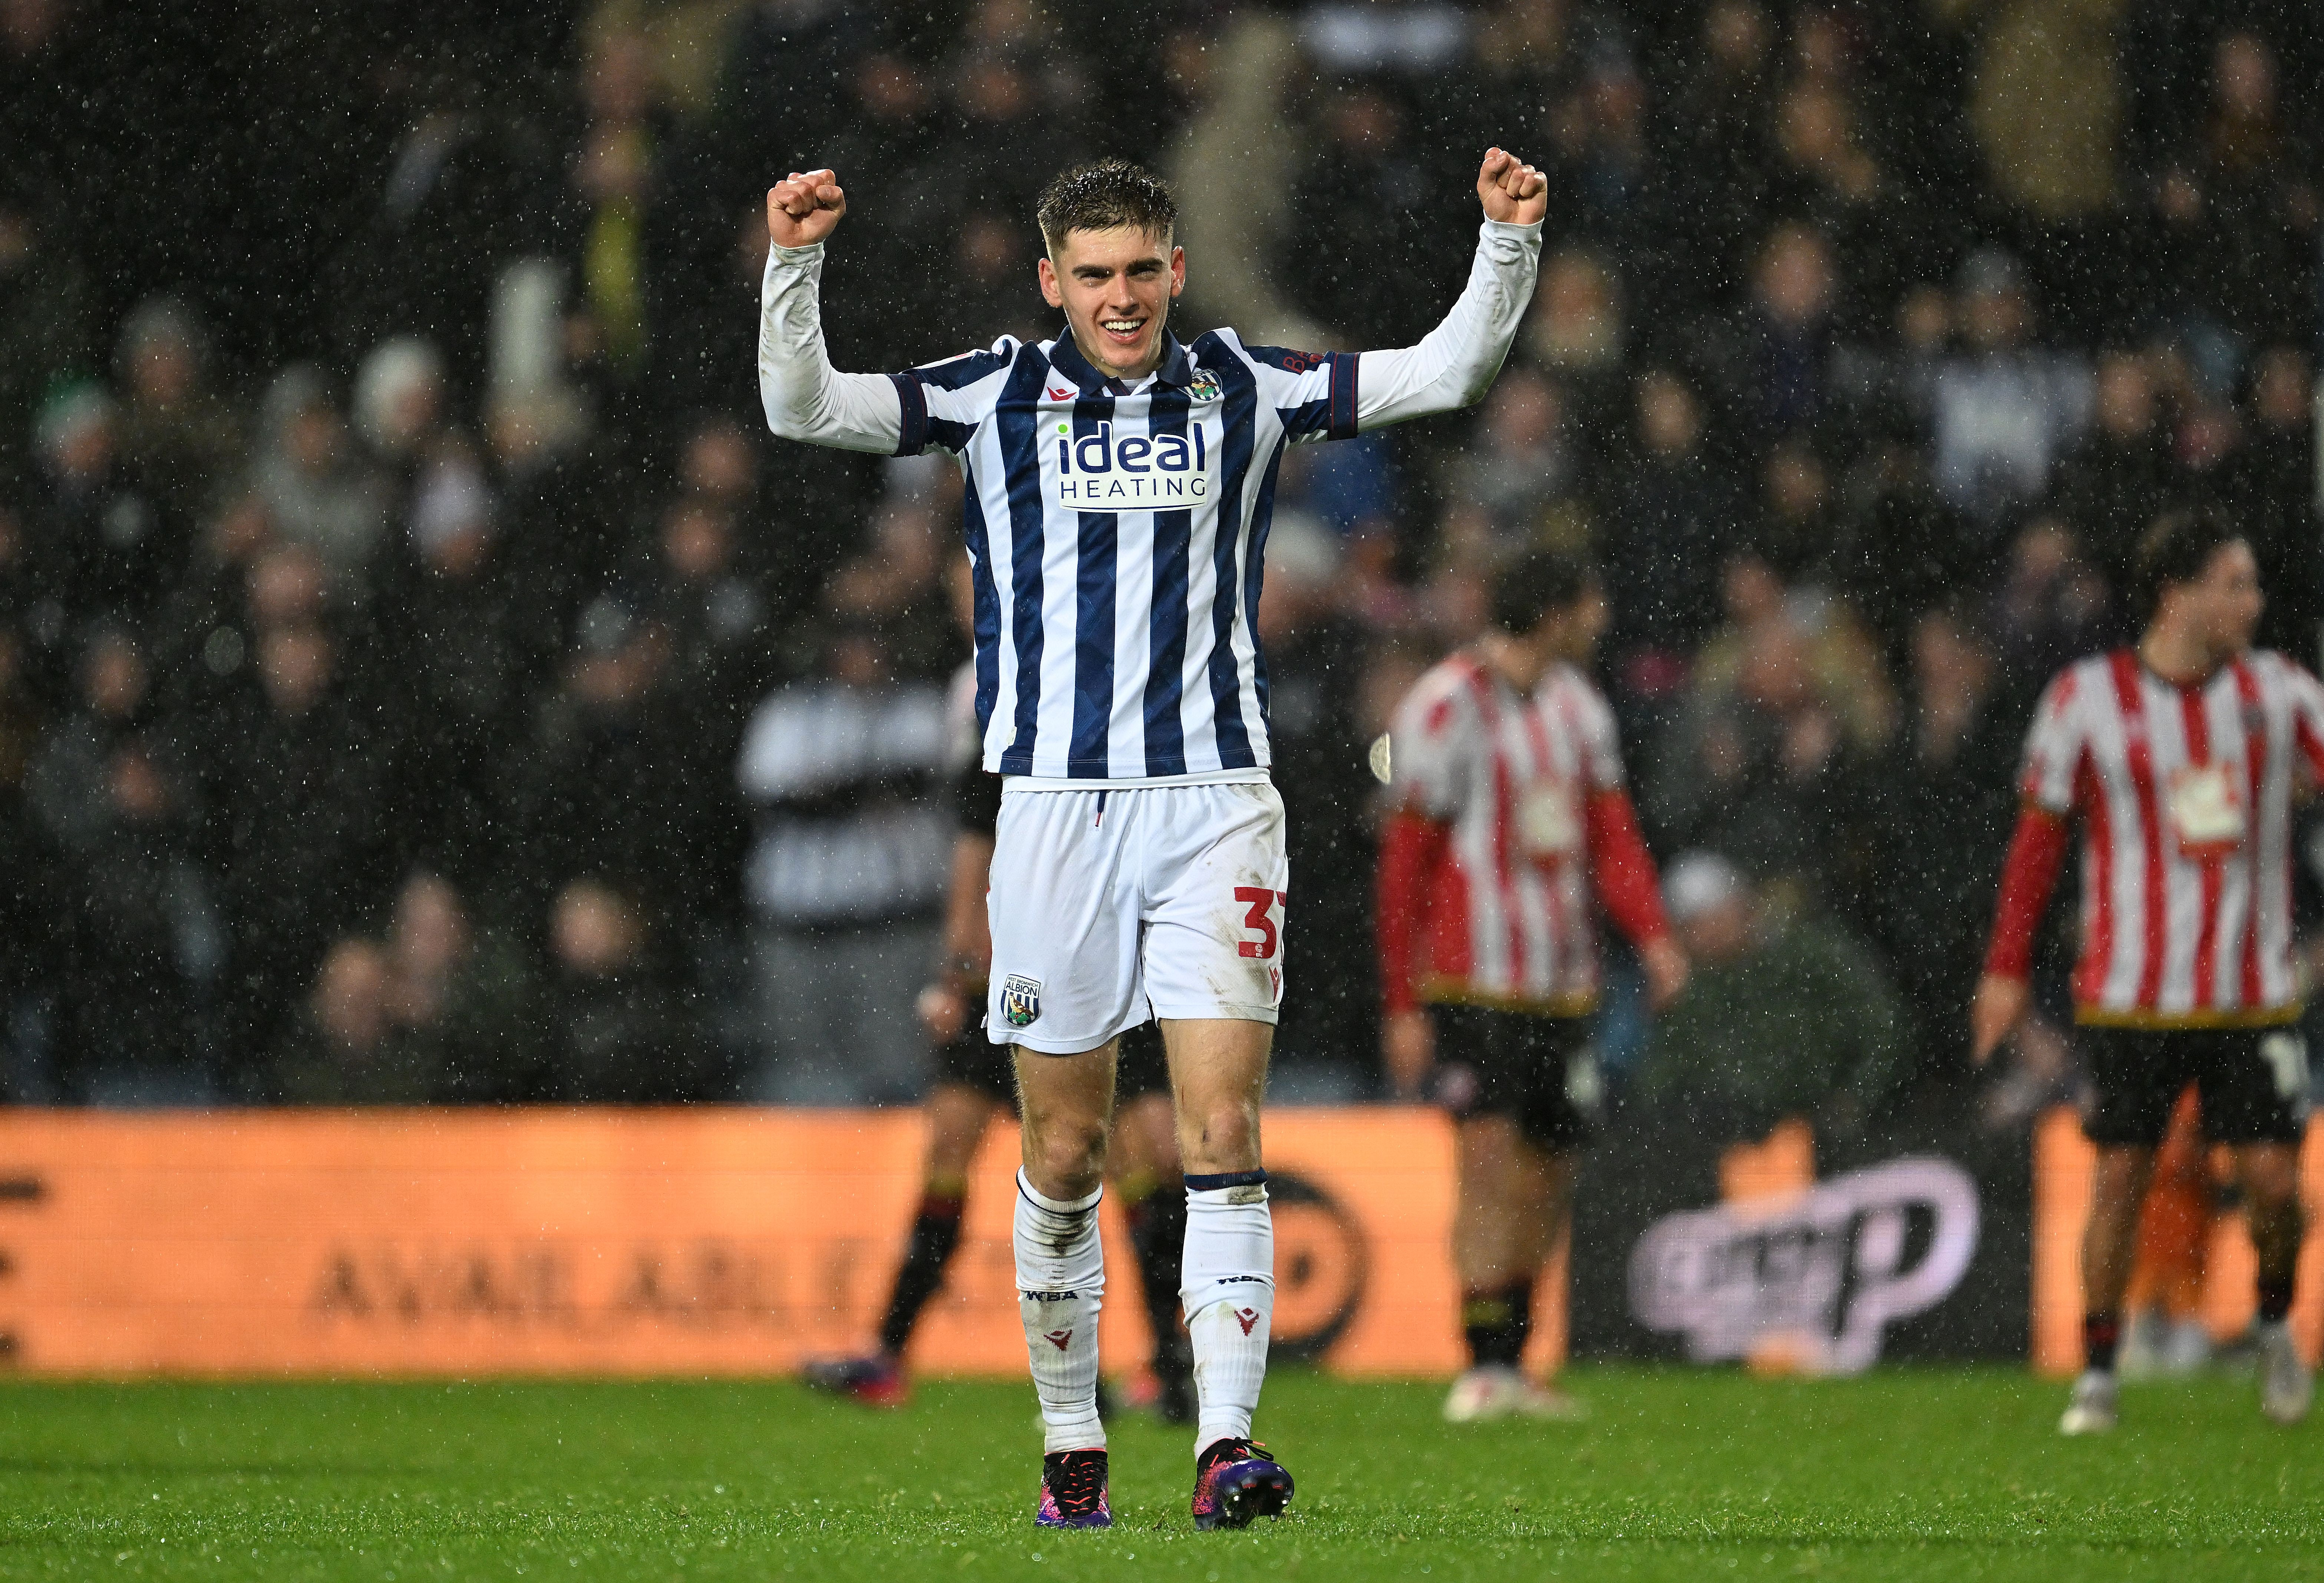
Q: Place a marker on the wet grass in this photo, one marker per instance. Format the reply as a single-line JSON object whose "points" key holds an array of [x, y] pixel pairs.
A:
{"points": [[1905, 1475]]}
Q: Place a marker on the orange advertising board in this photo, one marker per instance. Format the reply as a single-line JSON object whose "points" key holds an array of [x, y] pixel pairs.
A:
{"points": [[698, 1241], [2062, 1163]]}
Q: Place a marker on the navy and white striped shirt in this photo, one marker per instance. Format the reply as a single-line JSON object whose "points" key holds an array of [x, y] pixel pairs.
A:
{"points": [[1117, 531]]}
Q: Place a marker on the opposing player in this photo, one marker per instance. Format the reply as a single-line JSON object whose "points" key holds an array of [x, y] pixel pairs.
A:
{"points": [[974, 1088], [1119, 488], [2180, 759], [1509, 820]]}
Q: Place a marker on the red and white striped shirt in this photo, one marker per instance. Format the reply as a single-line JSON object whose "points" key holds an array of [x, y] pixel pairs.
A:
{"points": [[2185, 797], [1510, 814]]}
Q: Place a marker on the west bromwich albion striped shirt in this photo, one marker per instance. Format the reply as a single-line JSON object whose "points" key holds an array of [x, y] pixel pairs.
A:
{"points": [[1117, 531]]}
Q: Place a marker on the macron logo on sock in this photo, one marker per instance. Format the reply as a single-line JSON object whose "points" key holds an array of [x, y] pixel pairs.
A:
{"points": [[1245, 1317], [1059, 1338]]}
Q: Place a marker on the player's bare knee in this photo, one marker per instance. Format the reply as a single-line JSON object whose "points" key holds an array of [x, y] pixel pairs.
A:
{"points": [[1065, 1155], [1223, 1136]]}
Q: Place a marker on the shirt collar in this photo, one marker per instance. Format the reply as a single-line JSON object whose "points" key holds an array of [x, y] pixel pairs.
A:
{"points": [[1066, 358]]}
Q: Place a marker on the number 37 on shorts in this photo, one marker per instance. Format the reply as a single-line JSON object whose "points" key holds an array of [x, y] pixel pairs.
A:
{"points": [[1108, 908]]}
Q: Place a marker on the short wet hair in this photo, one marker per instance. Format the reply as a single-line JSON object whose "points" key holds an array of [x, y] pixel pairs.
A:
{"points": [[1100, 195], [2178, 549]]}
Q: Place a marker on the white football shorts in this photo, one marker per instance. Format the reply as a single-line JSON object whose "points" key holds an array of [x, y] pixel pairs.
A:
{"points": [[1108, 907]]}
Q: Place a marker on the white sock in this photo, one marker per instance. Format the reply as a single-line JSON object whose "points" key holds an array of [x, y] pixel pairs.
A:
{"points": [[1227, 1285], [1060, 1287]]}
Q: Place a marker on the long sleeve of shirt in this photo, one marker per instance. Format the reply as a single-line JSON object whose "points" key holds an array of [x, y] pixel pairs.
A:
{"points": [[2037, 851], [805, 397], [1455, 364], [1409, 857]]}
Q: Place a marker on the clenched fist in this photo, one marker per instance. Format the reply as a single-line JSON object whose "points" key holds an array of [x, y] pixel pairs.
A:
{"points": [[1511, 190], [803, 207]]}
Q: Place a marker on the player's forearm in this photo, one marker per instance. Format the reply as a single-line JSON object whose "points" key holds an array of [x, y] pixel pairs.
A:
{"points": [[1455, 364], [2037, 851], [805, 397], [1621, 869]]}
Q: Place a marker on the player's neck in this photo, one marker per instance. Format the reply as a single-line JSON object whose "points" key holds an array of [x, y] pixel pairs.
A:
{"points": [[2178, 656], [1515, 661]]}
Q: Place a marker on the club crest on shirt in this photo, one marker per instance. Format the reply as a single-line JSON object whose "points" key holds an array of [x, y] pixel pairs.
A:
{"points": [[1203, 388], [1020, 1001]]}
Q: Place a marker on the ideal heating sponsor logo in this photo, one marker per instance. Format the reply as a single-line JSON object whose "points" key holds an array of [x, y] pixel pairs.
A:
{"points": [[1821, 1273], [1101, 471]]}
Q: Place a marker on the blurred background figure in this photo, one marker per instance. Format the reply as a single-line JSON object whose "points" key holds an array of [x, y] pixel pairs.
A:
{"points": [[845, 876], [1781, 1018]]}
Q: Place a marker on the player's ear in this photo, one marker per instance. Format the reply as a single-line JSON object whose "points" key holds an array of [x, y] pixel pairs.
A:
{"points": [[1051, 292], [1177, 271]]}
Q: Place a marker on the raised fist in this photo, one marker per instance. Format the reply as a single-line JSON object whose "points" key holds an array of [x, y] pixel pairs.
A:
{"points": [[803, 207], [1510, 189]]}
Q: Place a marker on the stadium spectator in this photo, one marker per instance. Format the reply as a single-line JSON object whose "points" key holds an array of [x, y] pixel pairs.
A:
{"points": [[100, 546], [1774, 365], [846, 874], [2114, 480], [1938, 823], [1576, 331], [2240, 212], [615, 1029], [45, 318], [2270, 484], [136, 938], [315, 491], [1714, 137], [1670, 513], [1366, 180], [1786, 704], [1522, 463], [298, 838], [2002, 412], [468, 639], [462, 998], [181, 440], [341, 1045], [1781, 1017]]}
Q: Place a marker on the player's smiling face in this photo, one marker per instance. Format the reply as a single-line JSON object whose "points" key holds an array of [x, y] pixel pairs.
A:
{"points": [[1116, 287]]}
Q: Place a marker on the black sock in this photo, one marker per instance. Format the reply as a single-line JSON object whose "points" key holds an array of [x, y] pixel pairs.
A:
{"points": [[2275, 1299], [935, 1232], [1158, 1232], [1495, 1321], [2101, 1333]]}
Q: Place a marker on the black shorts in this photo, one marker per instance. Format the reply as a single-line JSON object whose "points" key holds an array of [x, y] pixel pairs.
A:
{"points": [[975, 1061], [2252, 1082], [1542, 1072]]}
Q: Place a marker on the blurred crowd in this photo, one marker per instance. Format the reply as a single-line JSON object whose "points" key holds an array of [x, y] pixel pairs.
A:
{"points": [[422, 678]]}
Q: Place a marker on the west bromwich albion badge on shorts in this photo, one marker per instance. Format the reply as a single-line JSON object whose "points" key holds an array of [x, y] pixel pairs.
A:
{"points": [[1020, 1000]]}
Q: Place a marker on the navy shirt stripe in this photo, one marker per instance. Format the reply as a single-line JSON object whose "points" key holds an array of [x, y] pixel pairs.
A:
{"points": [[985, 604], [1254, 565], [1017, 417], [1240, 412], [1165, 738], [1093, 608]]}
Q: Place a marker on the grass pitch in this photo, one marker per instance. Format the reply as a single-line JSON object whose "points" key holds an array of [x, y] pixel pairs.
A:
{"points": [[1905, 1475]]}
